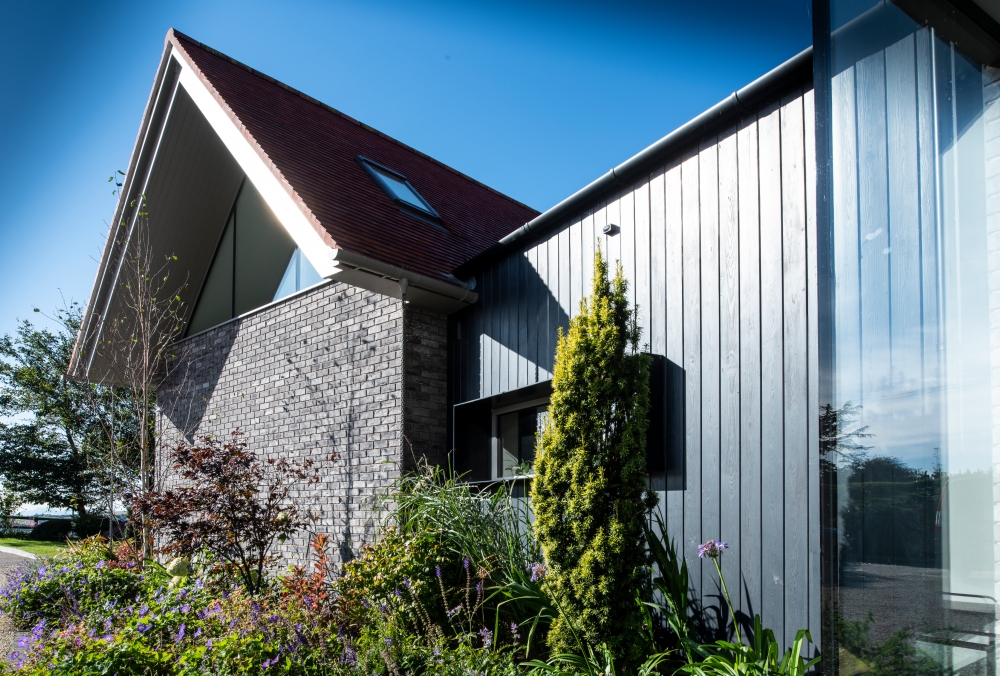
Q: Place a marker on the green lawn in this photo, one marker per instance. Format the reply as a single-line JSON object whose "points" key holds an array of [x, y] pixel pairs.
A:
{"points": [[37, 547]]}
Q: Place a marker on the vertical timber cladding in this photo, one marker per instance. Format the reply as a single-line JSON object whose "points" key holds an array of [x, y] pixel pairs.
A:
{"points": [[336, 374], [717, 245]]}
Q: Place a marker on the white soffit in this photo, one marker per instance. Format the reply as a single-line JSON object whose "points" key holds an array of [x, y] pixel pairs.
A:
{"points": [[284, 207], [991, 7]]}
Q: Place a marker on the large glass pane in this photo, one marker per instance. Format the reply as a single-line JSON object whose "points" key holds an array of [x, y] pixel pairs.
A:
{"points": [[508, 440], [263, 249], [909, 450], [215, 303], [299, 274]]}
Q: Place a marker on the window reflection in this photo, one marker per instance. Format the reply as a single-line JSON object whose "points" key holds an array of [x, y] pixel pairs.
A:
{"points": [[517, 438], [907, 450]]}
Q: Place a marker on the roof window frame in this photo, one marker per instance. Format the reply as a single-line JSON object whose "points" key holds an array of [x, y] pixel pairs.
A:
{"points": [[373, 168]]}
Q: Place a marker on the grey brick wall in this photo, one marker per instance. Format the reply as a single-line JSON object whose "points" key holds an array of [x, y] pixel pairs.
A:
{"points": [[425, 396], [323, 375]]}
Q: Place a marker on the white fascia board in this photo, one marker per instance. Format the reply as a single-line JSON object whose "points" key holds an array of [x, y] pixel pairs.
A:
{"points": [[274, 193]]}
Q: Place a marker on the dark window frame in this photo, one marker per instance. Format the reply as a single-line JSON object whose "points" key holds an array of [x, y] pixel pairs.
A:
{"points": [[426, 213]]}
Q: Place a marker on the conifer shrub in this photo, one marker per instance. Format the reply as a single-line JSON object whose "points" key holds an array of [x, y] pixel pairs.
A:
{"points": [[590, 493]]}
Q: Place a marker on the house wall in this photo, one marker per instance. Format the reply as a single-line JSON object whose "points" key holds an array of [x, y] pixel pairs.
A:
{"points": [[336, 375], [717, 245]]}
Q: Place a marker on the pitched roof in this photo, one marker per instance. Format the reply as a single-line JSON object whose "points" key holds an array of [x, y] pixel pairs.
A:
{"points": [[314, 149]]}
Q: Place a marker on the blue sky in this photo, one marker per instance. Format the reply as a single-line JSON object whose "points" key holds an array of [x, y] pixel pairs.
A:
{"points": [[534, 99]]}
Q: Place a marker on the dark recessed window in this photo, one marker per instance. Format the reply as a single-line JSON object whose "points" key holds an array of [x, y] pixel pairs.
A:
{"points": [[516, 438], [397, 187]]}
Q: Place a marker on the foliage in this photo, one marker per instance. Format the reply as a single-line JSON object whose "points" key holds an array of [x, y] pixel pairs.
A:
{"points": [[10, 502], [230, 503], [599, 662], [670, 580], [489, 527], [66, 586], [590, 492], [761, 656], [94, 611], [136, 340], [57, 451], [52, 529]]}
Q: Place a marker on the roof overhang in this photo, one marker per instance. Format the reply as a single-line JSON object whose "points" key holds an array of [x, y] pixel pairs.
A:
{"points": [[189, 158]]}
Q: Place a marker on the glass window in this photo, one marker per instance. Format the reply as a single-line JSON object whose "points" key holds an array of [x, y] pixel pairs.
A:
{"points": [[909, 431], [516, 440], [299, 274], [215, 304], [256, 263], [398, 188]]}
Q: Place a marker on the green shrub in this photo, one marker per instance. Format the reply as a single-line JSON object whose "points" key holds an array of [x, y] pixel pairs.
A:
{"points": [[52, 529], [590, 492], [400, 571]]}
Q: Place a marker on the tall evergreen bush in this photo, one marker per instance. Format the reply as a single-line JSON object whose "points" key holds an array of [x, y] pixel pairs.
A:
{"points": [[590, 493]]}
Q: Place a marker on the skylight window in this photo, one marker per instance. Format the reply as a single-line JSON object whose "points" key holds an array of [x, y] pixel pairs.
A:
{"points": [[397, 187]]}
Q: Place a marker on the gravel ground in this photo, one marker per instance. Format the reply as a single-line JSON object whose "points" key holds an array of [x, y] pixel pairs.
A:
{"points": [[8, 635]]}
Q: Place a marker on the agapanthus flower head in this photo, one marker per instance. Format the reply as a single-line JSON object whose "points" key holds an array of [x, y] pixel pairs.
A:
{"points": [[712, 549], [538, 571]]}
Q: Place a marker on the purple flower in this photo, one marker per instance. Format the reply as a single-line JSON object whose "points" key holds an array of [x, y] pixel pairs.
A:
{"points": [[514, 631], [398, 593], [437, 571], [466, 563], [143, 610], [407, 583], [100, 564], [349, 656], [479, 587], [712, 549], [388, 642], [186, 608], [537, 570], [487, 637], [180, 634], [107, 624], [142, 627], [197, 632]]}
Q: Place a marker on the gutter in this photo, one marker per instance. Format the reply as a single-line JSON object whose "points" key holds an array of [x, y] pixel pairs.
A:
{"points": [[461, 292], [797, 70]]}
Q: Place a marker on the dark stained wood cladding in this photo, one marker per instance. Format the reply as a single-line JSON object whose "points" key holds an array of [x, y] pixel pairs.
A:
{"points": [[719, 249]]}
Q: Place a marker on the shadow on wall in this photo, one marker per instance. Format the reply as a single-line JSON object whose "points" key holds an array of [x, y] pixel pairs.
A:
{"points": [[303, 392], [192, 375], [507, 341]]}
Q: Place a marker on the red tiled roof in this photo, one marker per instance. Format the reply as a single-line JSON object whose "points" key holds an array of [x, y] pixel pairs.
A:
{"points": [[314, 148]]}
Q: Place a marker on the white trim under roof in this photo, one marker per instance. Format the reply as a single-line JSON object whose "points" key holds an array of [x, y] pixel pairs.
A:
{"points": [[260, 174]]}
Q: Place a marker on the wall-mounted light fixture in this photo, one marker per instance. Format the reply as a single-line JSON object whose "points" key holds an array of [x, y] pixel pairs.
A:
{"points": [[611, 229]]}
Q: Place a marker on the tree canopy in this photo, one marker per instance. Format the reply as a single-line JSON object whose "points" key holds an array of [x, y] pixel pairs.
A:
{"points": [[62, 443]]}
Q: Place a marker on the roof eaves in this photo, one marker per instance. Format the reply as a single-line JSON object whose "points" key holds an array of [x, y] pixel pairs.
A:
{"points": [[795, 71]]}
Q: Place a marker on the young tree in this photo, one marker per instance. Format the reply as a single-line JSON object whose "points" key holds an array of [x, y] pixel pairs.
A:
{"points": [[590, 493], [53, 448], [137, 339], [231, 503]]}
